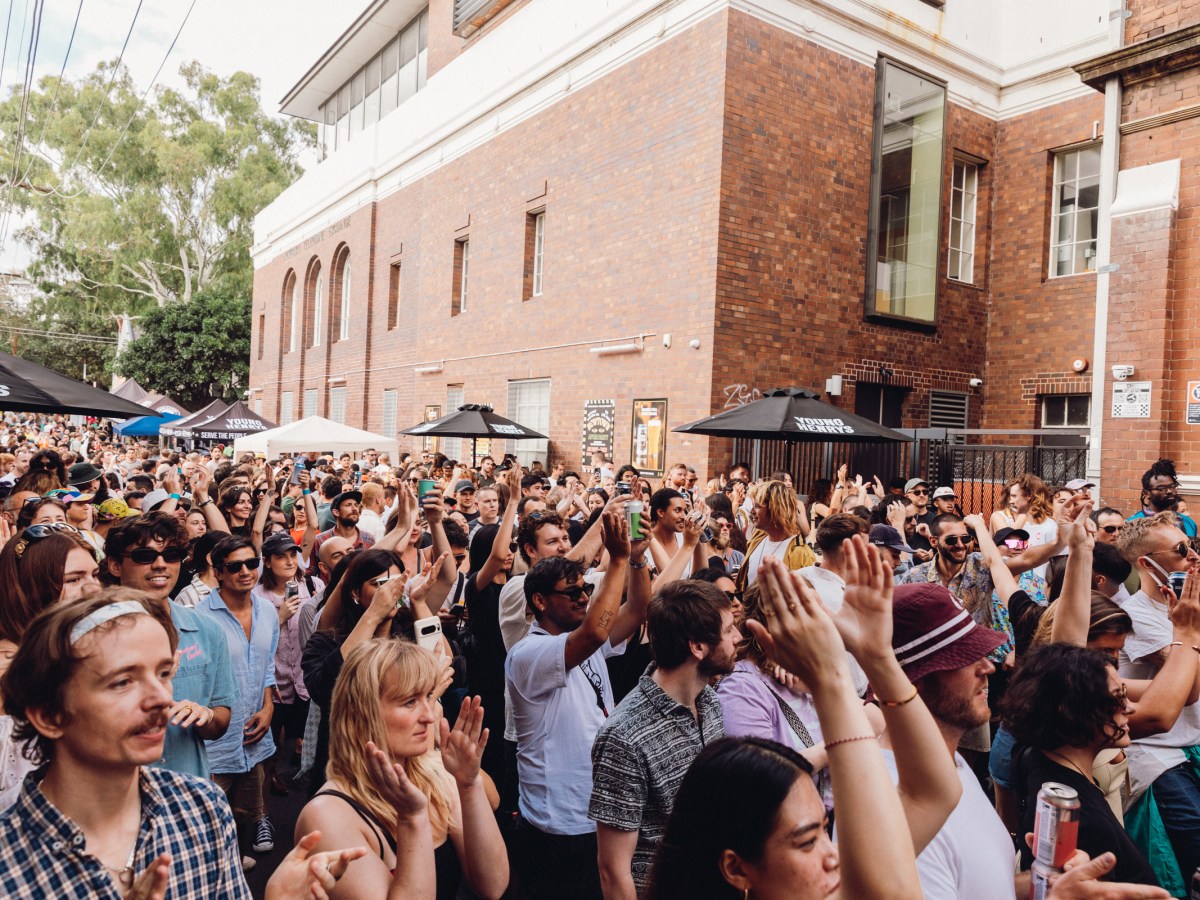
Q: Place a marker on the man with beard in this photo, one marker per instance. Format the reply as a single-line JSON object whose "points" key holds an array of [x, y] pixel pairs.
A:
{"points": [[561, 695], [1160, 493], [642, 752], [722, 544], [346, 508], [90, 691]]}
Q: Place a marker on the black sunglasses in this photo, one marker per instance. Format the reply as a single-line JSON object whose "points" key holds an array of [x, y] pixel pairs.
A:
{"points": [[915, 491], [233, 566], [145, 556], [1111, 529], [35, 533], [1181, 549], [574, 593], [953, 540]]}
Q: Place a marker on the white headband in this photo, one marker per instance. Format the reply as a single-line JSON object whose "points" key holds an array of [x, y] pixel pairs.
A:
{"points": [[105, 614]]}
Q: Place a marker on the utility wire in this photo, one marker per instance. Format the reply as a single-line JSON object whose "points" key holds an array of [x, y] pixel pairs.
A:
{"points": [[30, 67]]}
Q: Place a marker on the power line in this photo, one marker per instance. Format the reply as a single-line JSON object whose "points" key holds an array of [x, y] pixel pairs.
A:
{"points": [[58, 335], [30, 67]]}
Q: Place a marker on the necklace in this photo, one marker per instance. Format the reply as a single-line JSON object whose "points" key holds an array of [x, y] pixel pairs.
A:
{"points": [[1069, 762], [124, 875]]}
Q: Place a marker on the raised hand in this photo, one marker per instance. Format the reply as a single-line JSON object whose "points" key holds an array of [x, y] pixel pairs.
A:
{"points": [[392, 784], [693, 525], [1081, 881], [152, 883], [615, 534], [312, 877], [462, 746], [388, 598], [799, 634], [865, 620]]}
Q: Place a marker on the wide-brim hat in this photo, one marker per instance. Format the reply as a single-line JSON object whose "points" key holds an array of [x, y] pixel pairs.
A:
{"points": [[933, 632], [83, 473]]}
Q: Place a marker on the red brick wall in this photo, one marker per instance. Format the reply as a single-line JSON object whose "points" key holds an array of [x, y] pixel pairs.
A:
{"points": [[1152, 18], [1037, 325]]}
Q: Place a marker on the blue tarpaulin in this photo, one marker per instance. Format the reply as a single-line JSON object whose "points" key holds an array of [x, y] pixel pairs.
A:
{"points": [[144, 426]]}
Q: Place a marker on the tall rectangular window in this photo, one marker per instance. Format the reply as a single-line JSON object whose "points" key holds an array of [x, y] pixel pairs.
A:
{"points": [[963, 191], [371, 109], [286, 408], [453, 447], [262, 331], [393, 316], [529, 405], [389, 414], [390, 62], [905, 212], [1076, 210], [462, 261], [337, 405], [310, 403], [535, 239]]}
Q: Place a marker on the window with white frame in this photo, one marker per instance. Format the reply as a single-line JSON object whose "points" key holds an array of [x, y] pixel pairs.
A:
{"points": [[389, 414], [310, 403], [318, 306], [539, 243], [344, 329], [1066, 410], [337, 405], [258, 407], [286, 408], [1076, 211], [964, 188], [464, 260], [294, 338], [455, 397], [529, 405]]}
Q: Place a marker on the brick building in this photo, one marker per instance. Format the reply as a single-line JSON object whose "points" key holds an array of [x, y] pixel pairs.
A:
{"points": [[541, 203]]}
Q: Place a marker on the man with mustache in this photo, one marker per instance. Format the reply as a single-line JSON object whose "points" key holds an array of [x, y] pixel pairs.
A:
{"points": [[90, 691]]}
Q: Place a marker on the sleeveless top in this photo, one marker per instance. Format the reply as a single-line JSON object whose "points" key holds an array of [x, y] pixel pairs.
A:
{"points": [[445, 859]]}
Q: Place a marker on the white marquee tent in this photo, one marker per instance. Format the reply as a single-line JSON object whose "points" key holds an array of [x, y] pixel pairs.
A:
{"points": [[315, 433]]}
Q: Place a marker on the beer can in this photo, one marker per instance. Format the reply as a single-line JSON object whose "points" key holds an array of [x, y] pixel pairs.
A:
{"points": [[1039, 880], [1056, 824]]}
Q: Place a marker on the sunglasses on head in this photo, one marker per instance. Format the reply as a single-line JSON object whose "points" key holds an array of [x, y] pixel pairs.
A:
{"points": [[953, 540], [574, 593], [234, 565], [146, 556], [35, 533]]}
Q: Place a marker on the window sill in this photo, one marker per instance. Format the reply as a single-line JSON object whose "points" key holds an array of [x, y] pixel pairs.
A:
{"points": [[1050, 278], [901, 323]]}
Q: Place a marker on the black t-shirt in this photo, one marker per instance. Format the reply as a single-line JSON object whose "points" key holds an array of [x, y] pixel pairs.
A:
{"points": [[1025, 616], [484, 647], [1099, 830]]}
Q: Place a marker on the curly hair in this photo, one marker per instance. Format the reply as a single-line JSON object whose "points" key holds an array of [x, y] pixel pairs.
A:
{"points": [[1164, 468], [1041, 501], [1060, 698], [529, 526], [779, 502]]}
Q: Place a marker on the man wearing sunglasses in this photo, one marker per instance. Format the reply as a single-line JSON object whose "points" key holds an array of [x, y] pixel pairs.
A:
{"points": [[1157, 548], [250, 625], [1160, 493], [145, 552]]}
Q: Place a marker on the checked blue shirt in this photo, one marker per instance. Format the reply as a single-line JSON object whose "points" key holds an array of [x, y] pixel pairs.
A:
{"points": [[44, 854]]}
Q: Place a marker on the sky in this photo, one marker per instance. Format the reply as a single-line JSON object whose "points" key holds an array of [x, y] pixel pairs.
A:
{"points": [[276, 40]]}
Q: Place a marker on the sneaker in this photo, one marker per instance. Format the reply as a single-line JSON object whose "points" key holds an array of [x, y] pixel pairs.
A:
{"points": [[264, 836], [248, 863]]}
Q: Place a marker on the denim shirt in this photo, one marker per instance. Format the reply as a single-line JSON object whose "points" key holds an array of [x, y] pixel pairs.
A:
{"points": [[202, 676], [253, 665]]}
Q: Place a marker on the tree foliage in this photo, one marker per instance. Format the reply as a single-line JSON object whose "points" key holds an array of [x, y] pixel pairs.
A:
{"points": [[193, 351]]}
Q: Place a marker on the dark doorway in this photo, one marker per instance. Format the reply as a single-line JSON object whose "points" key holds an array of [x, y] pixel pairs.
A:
{"points": [[882, 403]]}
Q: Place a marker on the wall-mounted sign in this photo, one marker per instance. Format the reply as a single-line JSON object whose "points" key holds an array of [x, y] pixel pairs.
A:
{"points": [[649, 436], [1131, 400], [599, 420], [1193, 403]]}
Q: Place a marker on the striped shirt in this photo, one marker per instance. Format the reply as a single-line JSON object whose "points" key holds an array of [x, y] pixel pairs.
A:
{"points": [[44, 854], [639, 759]]}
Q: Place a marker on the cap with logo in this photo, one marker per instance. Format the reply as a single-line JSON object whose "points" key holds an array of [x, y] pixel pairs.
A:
{"points": [[278, 544], [938, 493], [1078, 484], [887, 536]]}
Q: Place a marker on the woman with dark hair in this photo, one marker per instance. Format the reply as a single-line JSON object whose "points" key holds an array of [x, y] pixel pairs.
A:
{"points": [[237, 507], [820, 494], [47, 511], [41, 567], [204, 580], [1064, 706]]}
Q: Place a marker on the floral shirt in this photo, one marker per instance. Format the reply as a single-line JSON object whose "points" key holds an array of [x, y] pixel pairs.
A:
{"points": [[973, 587]]}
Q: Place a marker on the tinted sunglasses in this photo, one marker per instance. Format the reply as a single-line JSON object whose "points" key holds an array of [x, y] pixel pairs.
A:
{"points": [[234, 565], [918, 491], [953, 540], [1181, 549], [1111, 529], [1015, 544], [574, 593], [383, 579], [146, 556], [35, 533]]}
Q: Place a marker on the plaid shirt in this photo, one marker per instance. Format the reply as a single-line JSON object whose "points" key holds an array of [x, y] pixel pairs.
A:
{"points": [[43, 853]]}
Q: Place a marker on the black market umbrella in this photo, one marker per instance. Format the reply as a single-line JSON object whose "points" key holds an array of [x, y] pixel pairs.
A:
{"points": [[793, 415], [475, 420], [27, 387], [235, 421], [179, 428]]}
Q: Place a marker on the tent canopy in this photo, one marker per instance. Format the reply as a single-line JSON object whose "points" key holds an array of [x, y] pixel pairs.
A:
{"points": [[179, 427], [164, 406], [228, 425], [27, 387], [131, 390], [315, 433], [144, 426]]}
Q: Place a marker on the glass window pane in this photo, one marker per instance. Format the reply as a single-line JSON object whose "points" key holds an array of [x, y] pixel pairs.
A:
{"points": [[954, 263], [1085, 224], [408, 81], [408, 46], [1089, 162], [1053, 410], [908, 203], [1066, 226], [389, 59], [1078, 408], [1089, 193], [422, 66]]}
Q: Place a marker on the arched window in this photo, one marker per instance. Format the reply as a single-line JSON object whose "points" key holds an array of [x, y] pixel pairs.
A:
{"points": [[291, 311], [318, 306], [344, 331]]}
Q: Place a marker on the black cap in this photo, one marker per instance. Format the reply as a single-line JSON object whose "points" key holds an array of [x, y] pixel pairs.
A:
{"points": [[279, 543], [341, 498]]}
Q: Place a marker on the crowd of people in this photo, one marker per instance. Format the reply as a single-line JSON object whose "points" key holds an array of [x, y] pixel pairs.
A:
{"points": [[509, 681]]}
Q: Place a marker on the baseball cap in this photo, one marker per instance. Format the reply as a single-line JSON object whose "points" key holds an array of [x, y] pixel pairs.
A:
{"points": [[115, 508], [887, 536], [65, 495], [932, 632], [465, 484], [1078, 484], [278, 544], [943, 492], [913, 482], [1005, 533], [153, 499]]}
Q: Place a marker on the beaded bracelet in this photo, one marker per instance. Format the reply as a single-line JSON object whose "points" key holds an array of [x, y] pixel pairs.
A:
{"points": [[829, 745]]}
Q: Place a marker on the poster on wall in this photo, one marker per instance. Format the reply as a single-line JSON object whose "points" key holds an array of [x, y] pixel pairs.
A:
{"points": [[599, 422], [432, 413], [649, 436], [1131, 400], [1193, 403]]}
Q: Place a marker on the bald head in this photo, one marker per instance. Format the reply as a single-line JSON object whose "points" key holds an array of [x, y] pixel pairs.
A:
{"points": [[331, 554]]}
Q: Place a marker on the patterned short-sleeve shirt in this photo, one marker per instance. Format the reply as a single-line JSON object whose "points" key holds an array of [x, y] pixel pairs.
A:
{"points": [[639, 759], [44, 854]]}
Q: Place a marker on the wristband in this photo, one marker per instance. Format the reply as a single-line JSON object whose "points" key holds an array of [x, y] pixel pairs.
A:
{"points": [[892, 704], [829, 745], [307, 492], [205, 502], [173, 497], [634, 565]]}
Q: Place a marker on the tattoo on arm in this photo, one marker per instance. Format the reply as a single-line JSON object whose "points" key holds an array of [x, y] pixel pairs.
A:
{"points": [[605, 619]]}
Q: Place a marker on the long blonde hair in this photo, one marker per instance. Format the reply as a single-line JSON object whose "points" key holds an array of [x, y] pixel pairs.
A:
{"points": [[779, 501], [375, 668]]}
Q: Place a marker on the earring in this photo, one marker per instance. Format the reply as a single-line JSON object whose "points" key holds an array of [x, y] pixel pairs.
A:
{"points": [[746, 894]]}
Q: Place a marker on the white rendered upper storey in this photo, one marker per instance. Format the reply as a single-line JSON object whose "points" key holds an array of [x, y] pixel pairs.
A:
{"points": [[998, 57]]}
